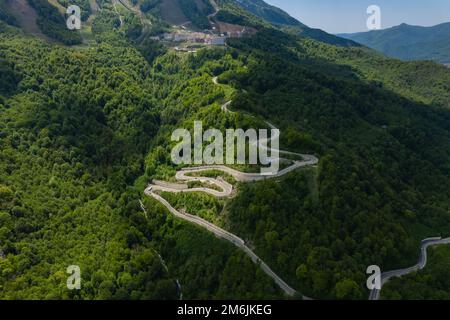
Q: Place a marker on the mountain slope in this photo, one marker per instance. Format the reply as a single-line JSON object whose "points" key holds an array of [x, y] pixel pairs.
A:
{"points": [[283, 20], [268, 12], [196, 15], [255, 13], [84, 129], [409, 42], [75, 125]]}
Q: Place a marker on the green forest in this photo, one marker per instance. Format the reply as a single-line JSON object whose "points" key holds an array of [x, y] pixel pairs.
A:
{"points": [[431, 283], [52, 23], [73, 171], [84, 127]]}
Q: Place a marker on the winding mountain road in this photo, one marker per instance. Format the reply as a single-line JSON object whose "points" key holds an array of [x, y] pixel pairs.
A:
{"points": [[224, 235], [386, 276], [226, 190]]}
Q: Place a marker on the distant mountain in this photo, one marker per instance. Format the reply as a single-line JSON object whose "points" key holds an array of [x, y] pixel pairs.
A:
{"points": [[408, 42], [280, 18]]}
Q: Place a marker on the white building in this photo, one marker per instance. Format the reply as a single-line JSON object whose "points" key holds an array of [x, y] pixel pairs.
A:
{"points": [[217, 41]]}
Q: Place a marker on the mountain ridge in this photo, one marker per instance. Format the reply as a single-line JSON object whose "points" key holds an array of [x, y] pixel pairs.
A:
{"points": [[408, 42], [285, 21]]}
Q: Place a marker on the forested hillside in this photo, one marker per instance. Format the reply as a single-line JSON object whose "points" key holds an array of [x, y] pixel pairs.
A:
{"points": [[75, 127], [382, 182], [52, 24], [84, 129], [246, 11]]}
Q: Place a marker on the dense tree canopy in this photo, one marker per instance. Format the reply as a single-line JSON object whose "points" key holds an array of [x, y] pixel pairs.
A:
{"points": [[84, 129]]}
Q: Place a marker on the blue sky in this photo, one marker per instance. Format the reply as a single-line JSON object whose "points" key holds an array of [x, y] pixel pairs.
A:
{"points": [[339, 16]]}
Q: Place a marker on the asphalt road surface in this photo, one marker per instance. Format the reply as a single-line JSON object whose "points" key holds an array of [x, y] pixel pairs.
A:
{"points": [[224, 235], [226, 189], [386, 276]]}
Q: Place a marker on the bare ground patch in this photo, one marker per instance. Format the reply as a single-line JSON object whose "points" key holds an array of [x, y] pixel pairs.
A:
{"points": [[25, 15], [172, 13]]}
